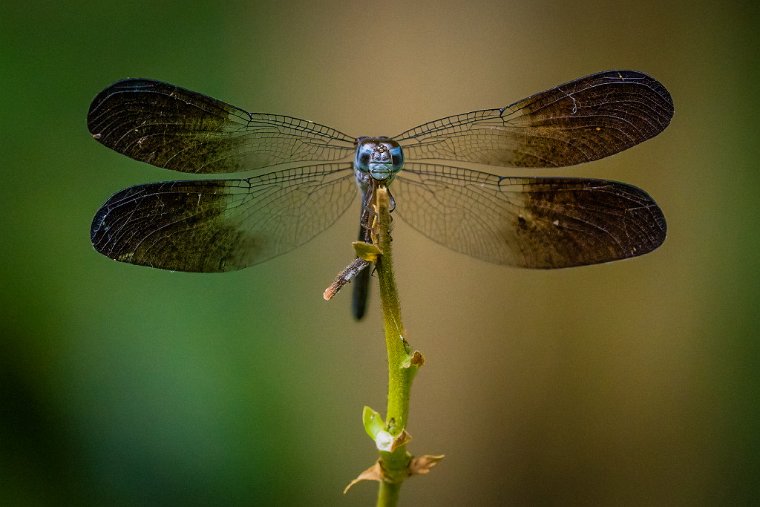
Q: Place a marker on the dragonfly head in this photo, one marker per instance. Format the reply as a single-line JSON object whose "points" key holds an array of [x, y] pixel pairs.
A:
{"points": [[380, 157]]}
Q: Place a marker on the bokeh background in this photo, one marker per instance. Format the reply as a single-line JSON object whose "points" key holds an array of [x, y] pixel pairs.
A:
{"points": [[633, 383]]}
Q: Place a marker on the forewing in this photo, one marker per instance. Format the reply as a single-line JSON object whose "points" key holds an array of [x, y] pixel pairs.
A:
{"points": [[583, 120], [221, 225], [178, 129], [528, 222]]}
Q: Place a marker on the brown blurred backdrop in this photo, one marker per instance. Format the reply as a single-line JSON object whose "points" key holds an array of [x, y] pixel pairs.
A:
{"points": [[633, 383]]}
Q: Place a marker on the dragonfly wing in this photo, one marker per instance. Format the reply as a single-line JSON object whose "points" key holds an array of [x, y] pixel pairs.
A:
{"points": [[583, 120], [168, 126], [221, 225], [528, 222]]}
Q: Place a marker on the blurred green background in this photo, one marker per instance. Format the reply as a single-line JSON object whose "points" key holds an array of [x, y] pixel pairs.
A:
{"points": [[633, 383]]}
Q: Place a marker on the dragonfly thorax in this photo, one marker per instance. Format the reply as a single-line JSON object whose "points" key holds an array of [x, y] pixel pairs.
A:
{"points": [[379, 157]]}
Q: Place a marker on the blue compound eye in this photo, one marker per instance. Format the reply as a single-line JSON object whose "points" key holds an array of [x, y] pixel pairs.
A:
{"points": [[397, 156]]}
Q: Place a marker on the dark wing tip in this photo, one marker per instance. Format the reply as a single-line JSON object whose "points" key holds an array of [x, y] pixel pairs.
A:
{"points": [[662, 100], [100, 228], [644, 221], [584, 222], [105, 99]]}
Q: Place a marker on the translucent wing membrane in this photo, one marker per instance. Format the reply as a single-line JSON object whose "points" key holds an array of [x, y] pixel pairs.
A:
{"points": [[171, 127], [529, 222], [583, 120], [221, 225]]}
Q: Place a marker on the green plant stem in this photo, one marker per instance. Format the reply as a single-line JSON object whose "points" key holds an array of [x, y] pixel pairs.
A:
{"points": [[388, 494], [400, 372]]}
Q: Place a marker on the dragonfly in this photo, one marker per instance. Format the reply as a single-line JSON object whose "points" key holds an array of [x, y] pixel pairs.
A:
{"points": [[306, 175]]}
